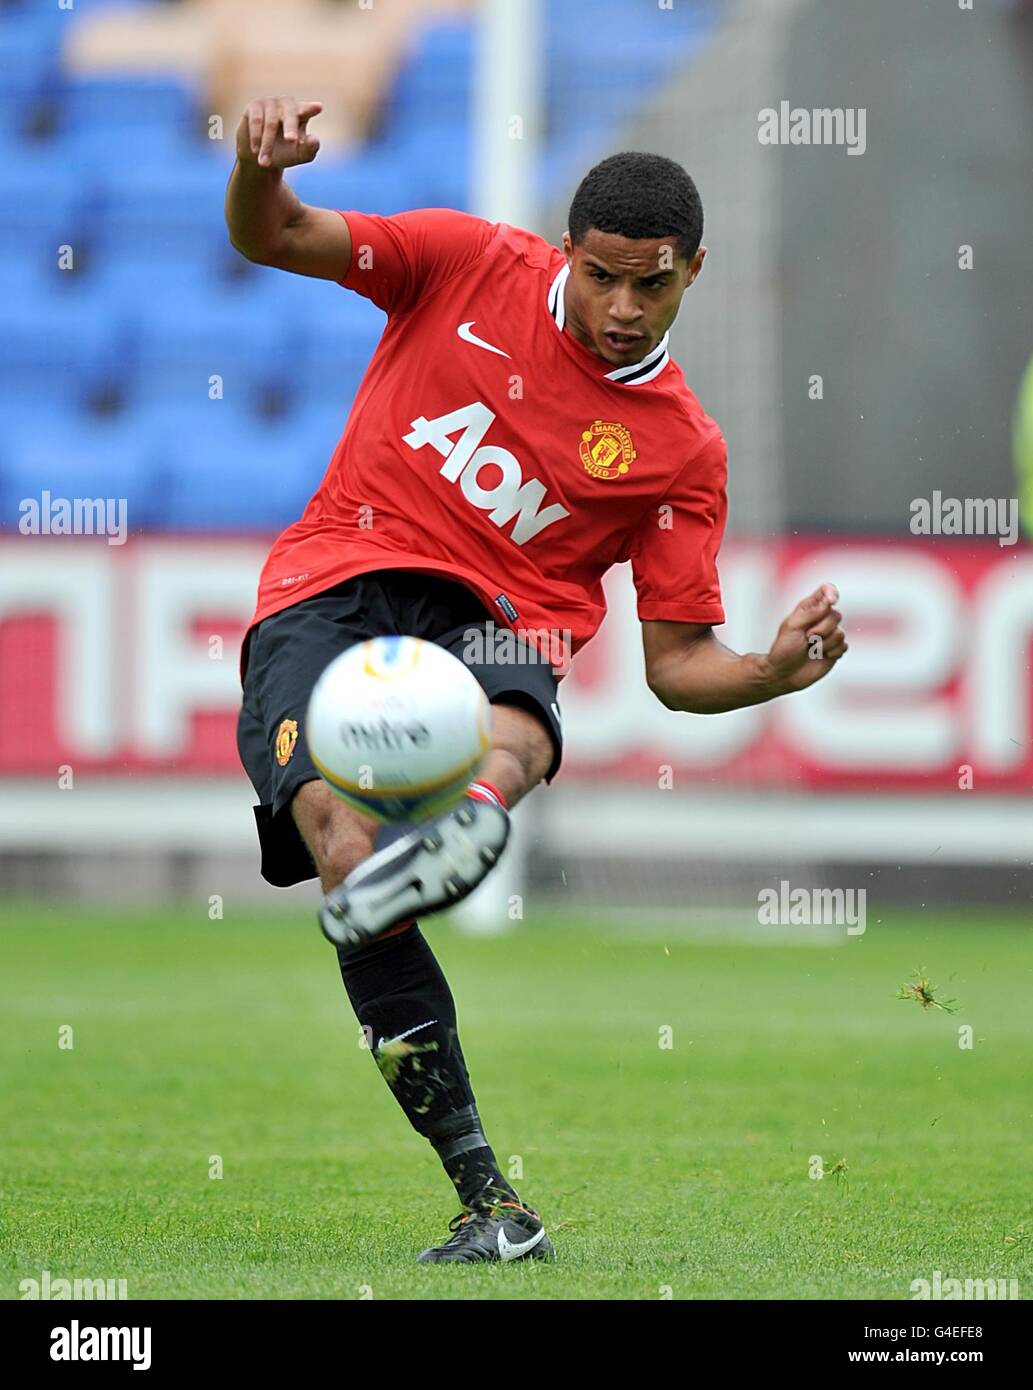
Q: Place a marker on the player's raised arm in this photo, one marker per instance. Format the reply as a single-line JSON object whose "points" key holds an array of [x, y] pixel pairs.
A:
{"points": [[268, 223]]}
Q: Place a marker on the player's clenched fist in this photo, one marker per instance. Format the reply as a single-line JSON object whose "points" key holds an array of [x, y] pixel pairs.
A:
{"points": [[809, 642], [273, 132]]}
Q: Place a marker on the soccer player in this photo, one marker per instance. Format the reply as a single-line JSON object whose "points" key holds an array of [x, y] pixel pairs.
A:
{"points": [[520, 429]]}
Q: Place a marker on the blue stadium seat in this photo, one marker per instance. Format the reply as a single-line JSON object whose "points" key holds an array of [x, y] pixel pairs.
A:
{"points": [[76, 457], [29, 58], [253, 476], [435, 82], [60, 348], [27, 274], [368, 182], [111, 105], [152, 212], [291, 295], [130, 287], [162, 421], [334, 332], [95, 152], [180, 342], [337, 343], [434, 163], [318, 425], [43, 205]]}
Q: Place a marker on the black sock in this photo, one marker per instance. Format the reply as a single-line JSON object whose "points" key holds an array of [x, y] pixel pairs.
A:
{"points": [[402, 999]]}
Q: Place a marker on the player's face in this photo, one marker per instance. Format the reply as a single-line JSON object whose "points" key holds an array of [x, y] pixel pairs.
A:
{"points": [[623, 295]]}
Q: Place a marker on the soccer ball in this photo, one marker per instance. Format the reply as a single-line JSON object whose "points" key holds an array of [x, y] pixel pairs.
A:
{"points": [[398, 727]]}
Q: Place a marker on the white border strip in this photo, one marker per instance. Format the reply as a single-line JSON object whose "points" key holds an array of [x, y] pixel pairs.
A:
{"points": [[215, 816]]}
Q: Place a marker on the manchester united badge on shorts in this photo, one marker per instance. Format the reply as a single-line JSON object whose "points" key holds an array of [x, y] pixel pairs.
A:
{"points": [[606, 449], [286, 738]]}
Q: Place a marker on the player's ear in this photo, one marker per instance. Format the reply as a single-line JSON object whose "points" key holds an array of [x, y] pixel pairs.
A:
{"points": [[696, 265], [568, 246]]}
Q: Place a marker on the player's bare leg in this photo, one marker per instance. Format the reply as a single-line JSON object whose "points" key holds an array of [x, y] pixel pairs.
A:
{"points": [[417, 870]]}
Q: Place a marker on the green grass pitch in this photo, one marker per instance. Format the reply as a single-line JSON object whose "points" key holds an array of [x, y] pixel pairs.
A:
{"points": [[661, 1172]]}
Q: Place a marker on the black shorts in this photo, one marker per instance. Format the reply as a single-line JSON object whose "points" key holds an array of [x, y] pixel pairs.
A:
{"points": [[286, 653]]}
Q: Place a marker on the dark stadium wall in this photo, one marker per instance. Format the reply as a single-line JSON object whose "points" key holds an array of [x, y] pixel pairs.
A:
{"points": [[921, 361]]}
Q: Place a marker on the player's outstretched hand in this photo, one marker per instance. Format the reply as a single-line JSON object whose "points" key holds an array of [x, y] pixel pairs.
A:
{"points": [[809, 642], [273, 134]]}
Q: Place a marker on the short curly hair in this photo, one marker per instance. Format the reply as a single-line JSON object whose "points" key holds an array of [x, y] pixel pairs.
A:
{"points": [[639, 196]]}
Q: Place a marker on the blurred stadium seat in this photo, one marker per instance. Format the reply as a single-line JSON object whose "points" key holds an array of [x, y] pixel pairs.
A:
{"points": [[80, 457], [226, 473], [433, 162], [434, 82], [61, 348], [335, 349], [45, 206], [29, 62], [181, 343], [157, 214], [111, 105], [365, 181]]}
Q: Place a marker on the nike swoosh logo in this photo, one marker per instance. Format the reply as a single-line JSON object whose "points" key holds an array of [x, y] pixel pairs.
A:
{"points": [[400, 1036], [510, 1251], [464, 332]]}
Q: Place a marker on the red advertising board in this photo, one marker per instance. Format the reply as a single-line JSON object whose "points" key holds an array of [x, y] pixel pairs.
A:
{"points": [[122, 659]]}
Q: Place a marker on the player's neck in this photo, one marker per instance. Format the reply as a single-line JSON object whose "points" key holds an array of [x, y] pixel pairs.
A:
{"points": [[570, 322]]}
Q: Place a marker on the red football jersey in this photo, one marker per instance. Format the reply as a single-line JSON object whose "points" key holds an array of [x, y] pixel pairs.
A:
{"points": [[488, 445]]}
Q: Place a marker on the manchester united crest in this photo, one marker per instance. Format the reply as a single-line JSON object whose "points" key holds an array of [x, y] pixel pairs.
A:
{"points": [[606, 449], [286, 738]]}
